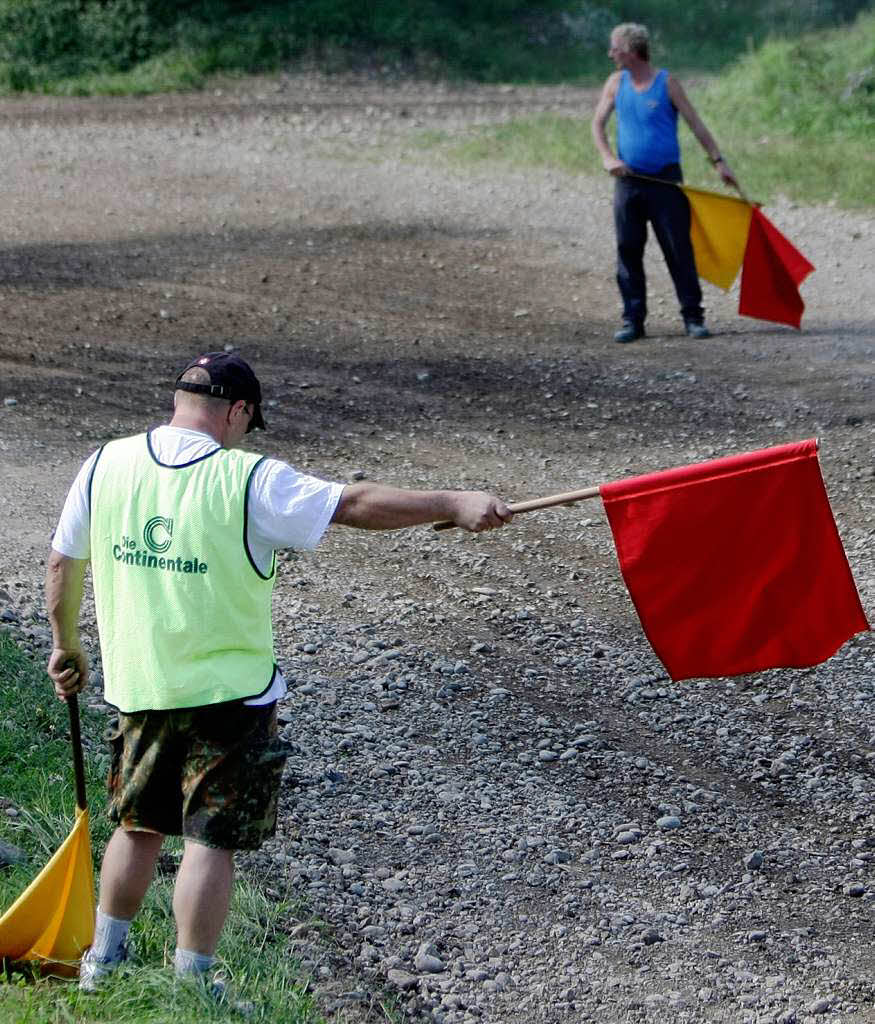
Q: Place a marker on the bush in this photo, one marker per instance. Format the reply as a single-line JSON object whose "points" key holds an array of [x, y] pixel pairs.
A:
{"points": [[49, 44], [56, 38]]}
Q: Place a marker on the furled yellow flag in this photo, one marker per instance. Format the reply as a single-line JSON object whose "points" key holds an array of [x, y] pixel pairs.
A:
{"points": [[53, 919], [718, 230]]}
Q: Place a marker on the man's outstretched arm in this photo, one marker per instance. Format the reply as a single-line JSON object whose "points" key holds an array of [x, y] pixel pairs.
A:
{"points": [[372, 506], [65, 584]]}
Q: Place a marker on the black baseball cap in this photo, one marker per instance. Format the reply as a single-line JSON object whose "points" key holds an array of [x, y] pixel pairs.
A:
{"points": [[231, 378]]}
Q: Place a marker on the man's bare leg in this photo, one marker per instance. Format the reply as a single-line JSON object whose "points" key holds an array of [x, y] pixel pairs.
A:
{"points": [[202, 896], [127, 869]]}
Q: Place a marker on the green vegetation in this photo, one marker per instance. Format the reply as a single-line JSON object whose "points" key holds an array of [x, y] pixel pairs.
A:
{"points": [[709, 34], [129, 46], [36, 767], [796, 117], [543, 140], [73, 47]]}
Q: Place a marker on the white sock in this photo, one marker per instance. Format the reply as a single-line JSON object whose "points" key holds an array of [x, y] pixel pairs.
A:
{"points": [[188, 963], [110, 936]]}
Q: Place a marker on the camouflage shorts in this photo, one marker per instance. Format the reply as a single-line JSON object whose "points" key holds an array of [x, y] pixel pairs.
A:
{"points": [[210, 774]]}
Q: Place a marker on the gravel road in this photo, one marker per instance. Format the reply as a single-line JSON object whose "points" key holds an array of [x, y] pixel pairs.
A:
{"points": [[499, 808]]}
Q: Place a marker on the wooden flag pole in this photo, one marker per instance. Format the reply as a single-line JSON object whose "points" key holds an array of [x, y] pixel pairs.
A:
{"points": [[568, 498], [78, 763], [680, 184]]}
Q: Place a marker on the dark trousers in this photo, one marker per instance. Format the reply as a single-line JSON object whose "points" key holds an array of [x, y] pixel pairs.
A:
{"points": [[636, 202]]}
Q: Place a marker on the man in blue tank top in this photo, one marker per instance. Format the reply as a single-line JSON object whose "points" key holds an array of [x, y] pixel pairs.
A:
{"points": [[647, 101]]}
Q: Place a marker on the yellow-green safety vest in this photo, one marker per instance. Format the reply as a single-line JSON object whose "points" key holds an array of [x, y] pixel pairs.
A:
{"points": [[183, 611]]}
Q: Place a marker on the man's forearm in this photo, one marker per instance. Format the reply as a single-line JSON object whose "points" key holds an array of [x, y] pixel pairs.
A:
{"points": [[599, 130], [68, 663], [65, 585], [707, 142]]}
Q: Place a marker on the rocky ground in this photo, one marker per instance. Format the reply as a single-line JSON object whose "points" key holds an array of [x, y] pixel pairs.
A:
{"points": [[499, 808]]}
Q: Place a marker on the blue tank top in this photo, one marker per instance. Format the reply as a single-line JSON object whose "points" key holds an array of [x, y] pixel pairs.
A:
{"points": [[647, 125]]}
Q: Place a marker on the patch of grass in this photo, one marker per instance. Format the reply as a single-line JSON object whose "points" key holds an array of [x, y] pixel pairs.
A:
{"points": [[36, 767], [543, 140], [806, 170], [795, 118], [800, 168], [177, 70], [252, 957]]}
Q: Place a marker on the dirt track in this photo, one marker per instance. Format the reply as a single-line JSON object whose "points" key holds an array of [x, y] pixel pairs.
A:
{"points": [[430, 326]]}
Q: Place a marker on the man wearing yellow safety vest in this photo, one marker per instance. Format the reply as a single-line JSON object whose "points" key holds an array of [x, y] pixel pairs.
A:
{"points": [[181, 529]]}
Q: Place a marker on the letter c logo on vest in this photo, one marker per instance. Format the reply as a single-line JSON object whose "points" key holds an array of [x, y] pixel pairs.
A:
{"points": [[158, 534]]}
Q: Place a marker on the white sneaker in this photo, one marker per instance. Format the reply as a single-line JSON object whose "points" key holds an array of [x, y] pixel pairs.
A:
{"points": [[94, 970]]}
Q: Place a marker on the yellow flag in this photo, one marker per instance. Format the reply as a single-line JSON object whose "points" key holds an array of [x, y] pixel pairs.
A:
{"points": [[718, 231], [53, 919]]}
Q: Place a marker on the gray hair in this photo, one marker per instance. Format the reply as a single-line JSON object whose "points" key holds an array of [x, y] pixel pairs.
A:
{"points": [[636, 37]]}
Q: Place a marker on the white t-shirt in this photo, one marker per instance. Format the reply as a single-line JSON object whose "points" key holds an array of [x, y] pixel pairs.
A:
{"points": [[286, 509]]}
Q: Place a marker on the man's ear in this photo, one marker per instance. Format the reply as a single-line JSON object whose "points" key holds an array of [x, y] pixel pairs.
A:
{"points": [[235, 409]]}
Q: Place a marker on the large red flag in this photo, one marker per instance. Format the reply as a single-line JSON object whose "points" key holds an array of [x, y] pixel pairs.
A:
{"points": [[736, 565], [772, 272]]}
